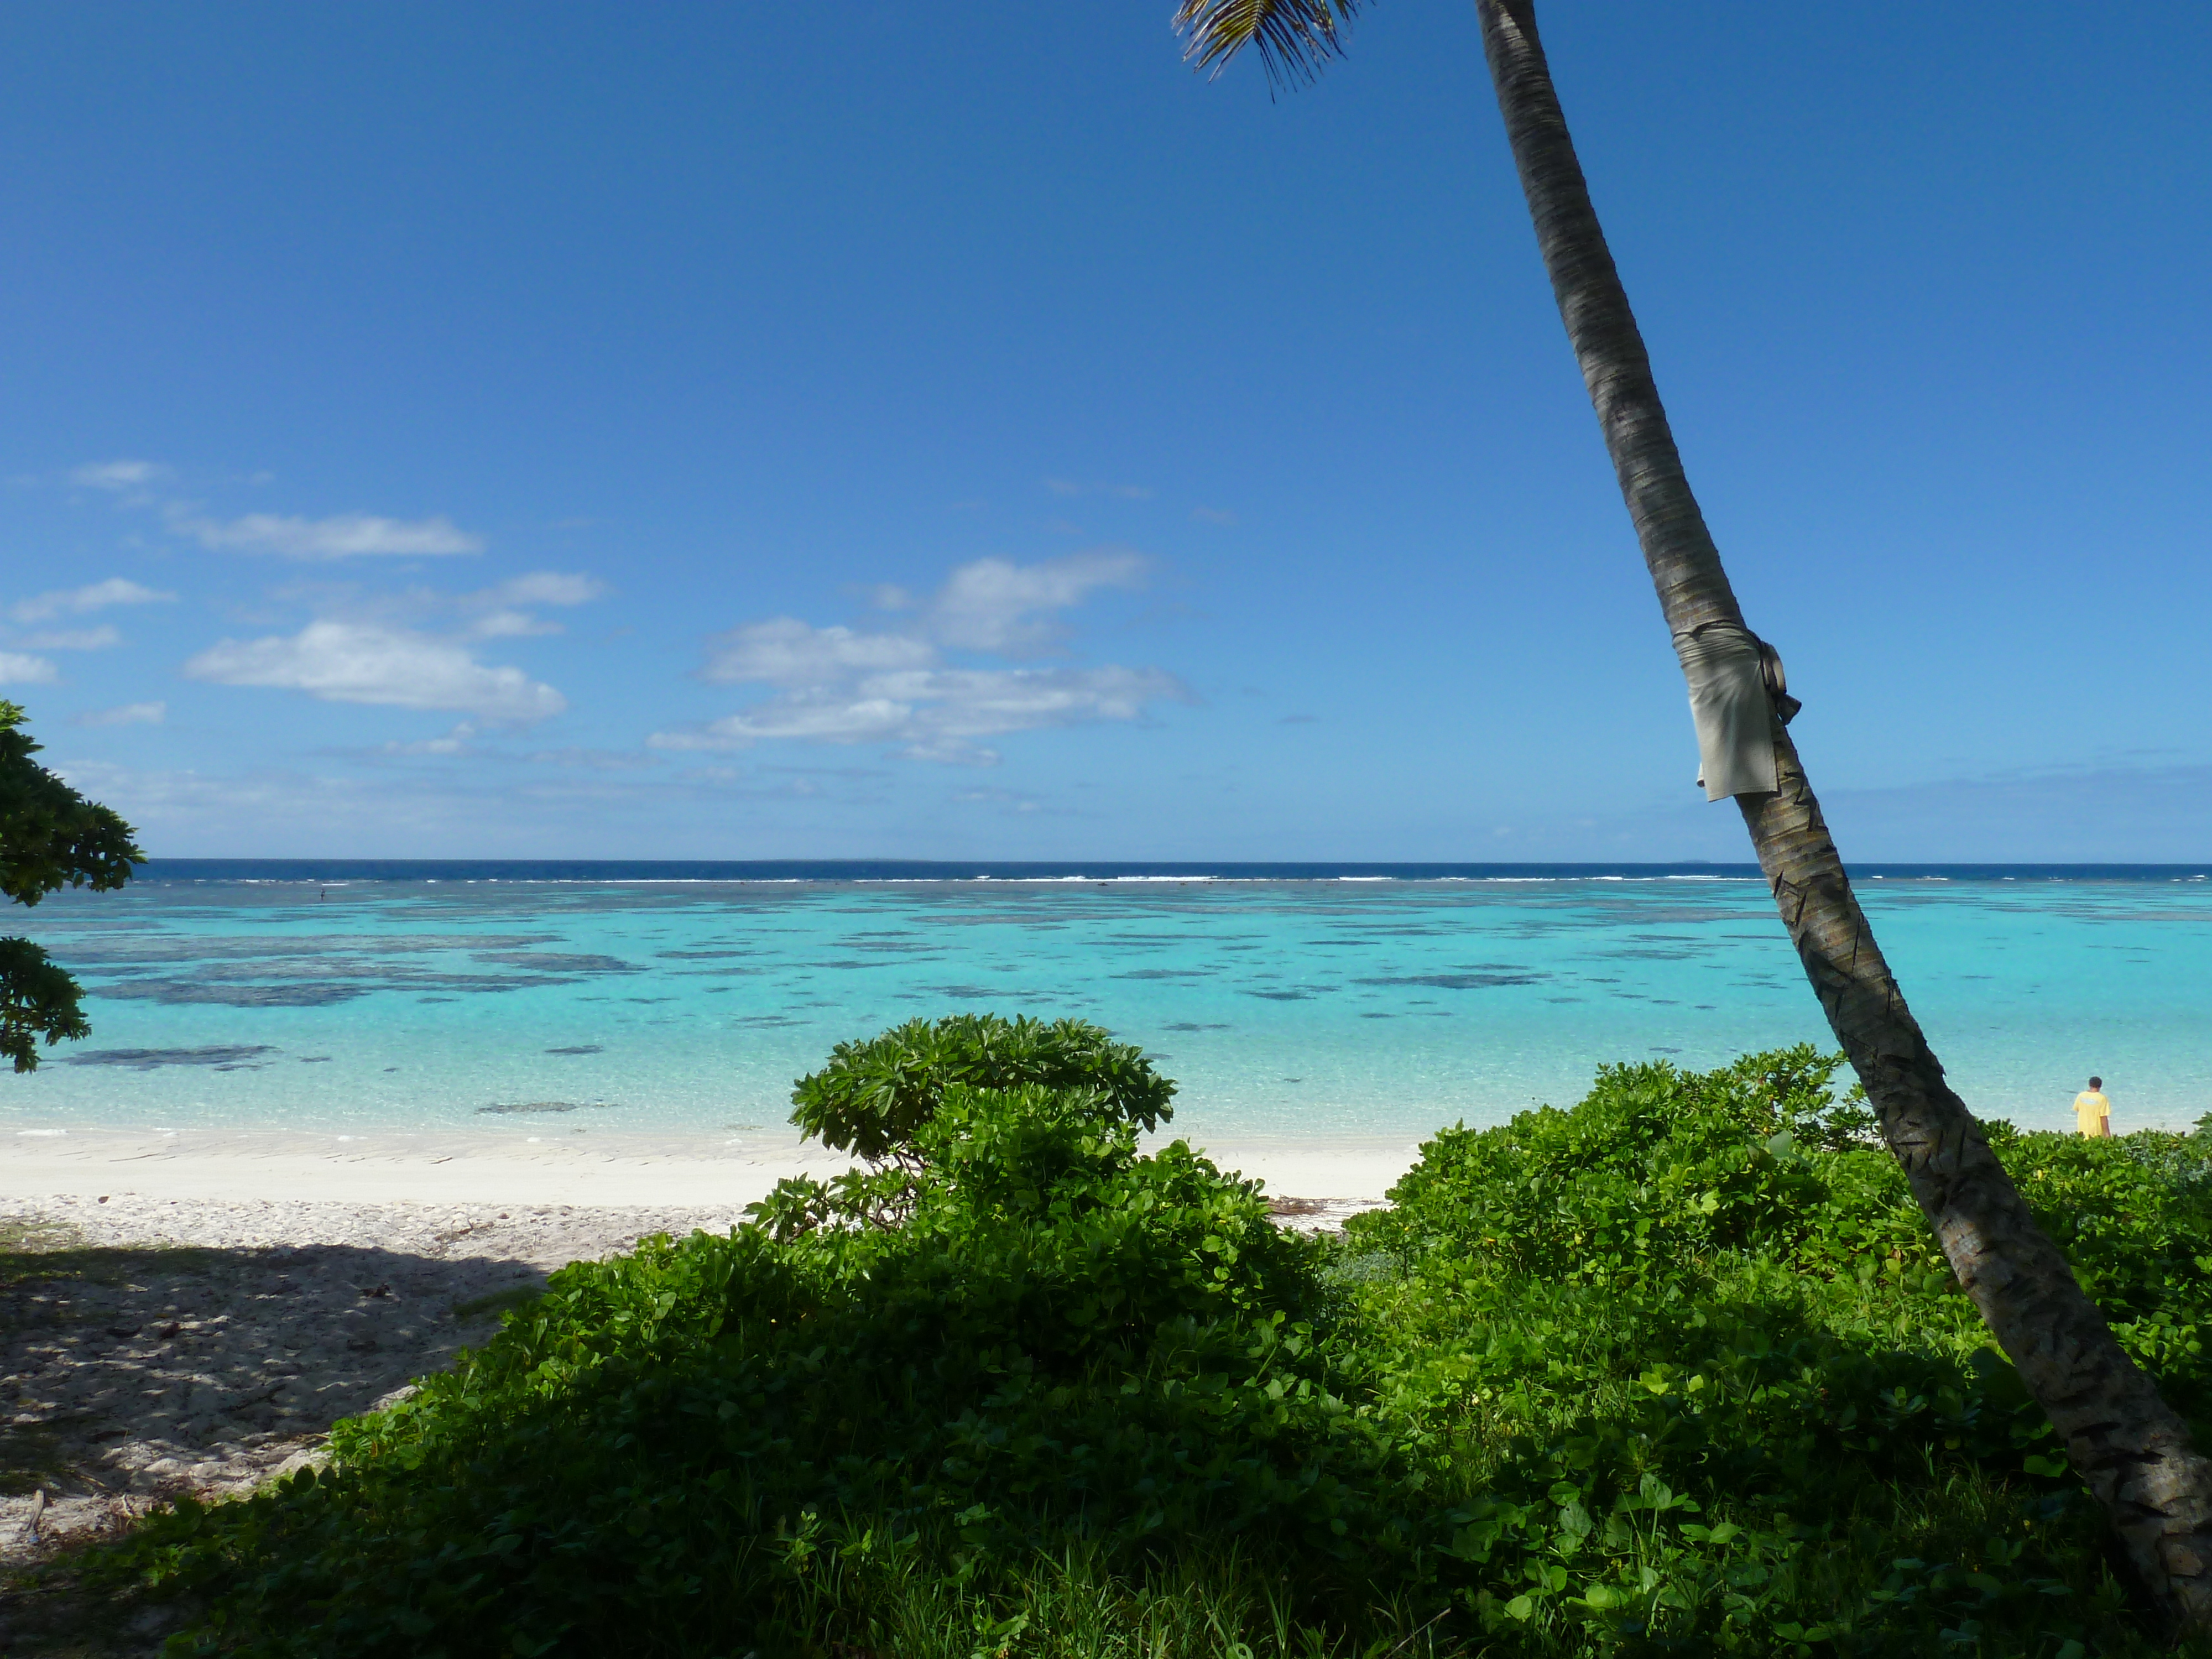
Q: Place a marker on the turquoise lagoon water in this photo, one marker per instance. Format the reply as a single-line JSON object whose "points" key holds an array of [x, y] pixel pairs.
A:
{"points": [[1350, 1005]]}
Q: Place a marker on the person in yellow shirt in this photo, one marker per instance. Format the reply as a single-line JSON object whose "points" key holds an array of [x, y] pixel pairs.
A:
{"points": [[2093, 1111]]}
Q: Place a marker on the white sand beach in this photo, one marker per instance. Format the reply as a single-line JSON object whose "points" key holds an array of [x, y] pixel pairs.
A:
{"points": [[239, 1170], [199, 1307]]}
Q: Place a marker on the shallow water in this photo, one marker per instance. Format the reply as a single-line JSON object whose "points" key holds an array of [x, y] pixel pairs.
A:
{"points": [[1332, 1009]]}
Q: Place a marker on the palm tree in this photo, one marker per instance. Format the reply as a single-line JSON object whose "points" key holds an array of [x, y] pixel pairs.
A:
{"points": [[2131, 1447]]}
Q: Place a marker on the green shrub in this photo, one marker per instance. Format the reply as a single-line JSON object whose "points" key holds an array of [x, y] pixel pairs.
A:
{"points": [[874, 1098], [1677, 1370]]}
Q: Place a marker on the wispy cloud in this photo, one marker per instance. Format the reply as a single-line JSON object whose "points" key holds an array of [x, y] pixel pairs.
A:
{"points": [[130, 714], [939, 713], [595, 760], [998, 606], [293, 536], [512, 625], [2148, 811], [506, 609], [72, 638], [791, 653], [17, 669], [1213, 516], [343, 536], [69, 601], [375, 662], [455, 742], [1009, 799], [498, 612], [1126, 492], [119, 476], [544, 588], [840, 685]]}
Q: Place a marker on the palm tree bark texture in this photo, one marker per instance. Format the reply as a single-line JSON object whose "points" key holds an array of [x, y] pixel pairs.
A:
{"points": [[2131, 1447]]}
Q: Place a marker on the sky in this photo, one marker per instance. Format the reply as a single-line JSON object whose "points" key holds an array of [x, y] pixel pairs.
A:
{"points": [[690, 431]]}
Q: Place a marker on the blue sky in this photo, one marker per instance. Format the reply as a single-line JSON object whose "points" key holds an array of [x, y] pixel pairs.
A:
{"points": [[875, 431]]}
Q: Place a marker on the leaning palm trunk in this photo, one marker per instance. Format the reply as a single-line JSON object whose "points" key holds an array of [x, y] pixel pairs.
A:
{"points": [[2132, 1449]]}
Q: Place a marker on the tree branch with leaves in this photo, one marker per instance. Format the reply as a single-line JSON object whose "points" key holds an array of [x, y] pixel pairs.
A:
{"points": [[50, 837]]}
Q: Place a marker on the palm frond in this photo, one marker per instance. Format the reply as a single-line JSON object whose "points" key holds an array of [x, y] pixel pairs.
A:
{"points": [[1295, 38]]}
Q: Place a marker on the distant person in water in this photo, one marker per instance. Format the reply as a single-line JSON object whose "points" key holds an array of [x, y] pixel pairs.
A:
{"points": [[2093, 1111]]}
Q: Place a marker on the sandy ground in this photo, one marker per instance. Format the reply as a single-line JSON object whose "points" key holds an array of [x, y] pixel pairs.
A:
{"points": [[597, 1171], [192, 1313]]}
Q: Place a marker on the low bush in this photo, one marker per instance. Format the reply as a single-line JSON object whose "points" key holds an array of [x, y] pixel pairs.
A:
{"points": [[1677, 1370]]}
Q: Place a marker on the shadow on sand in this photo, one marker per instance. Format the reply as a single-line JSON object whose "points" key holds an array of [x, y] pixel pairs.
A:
{"points": [[130, 1375]]}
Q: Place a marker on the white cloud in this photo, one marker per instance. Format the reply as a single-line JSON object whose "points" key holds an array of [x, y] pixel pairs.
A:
{"points": [[786, 652], [66, 601], [839, 685], [818, 718], [1213, 516], [343, 536], [598, 760], [544, 588], [511, 625], [939, 713], [370, 663], [119, 475], [994, 605], [499, 616], [455, 742], [17, 669], [415, 650], [72, 638], [130, 714]]}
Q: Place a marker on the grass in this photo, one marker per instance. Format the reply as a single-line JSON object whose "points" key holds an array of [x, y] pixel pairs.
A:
{"points": [[34, 1235]]}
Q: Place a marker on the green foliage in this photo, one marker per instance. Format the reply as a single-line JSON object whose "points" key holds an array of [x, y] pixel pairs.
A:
{"points": [[874, 1098], [1066, 1346], [1657, 1170], [37, 999], [1675, 1371], [50, 837]]}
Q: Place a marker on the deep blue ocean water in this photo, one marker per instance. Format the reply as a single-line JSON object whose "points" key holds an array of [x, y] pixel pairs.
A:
{"points": [[1339, 1003]]}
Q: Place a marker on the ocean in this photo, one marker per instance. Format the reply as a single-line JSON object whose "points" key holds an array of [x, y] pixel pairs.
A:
{"points": [[1313, 1004]]}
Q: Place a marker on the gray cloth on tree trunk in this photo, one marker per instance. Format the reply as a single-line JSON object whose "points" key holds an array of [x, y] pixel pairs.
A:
{"points": [[1731, 705]]}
